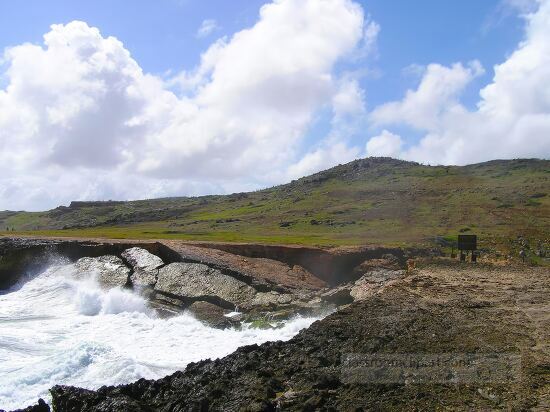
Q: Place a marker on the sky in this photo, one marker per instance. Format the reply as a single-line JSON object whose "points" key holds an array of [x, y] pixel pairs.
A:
{"points": [[142, 99]]}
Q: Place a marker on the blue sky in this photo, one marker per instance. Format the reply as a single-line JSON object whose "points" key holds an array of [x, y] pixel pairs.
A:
{"points": [[170, 110], [161, 35]]}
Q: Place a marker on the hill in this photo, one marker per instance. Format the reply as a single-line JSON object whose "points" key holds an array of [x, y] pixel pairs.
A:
{"points": [[367, 201]]}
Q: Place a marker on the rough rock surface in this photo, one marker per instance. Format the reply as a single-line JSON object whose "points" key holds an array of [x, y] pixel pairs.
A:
{"points": [[145, 266], [274, 271], [40, 406], [338, 296], [140, 258], [195, 281], [434, 311], [211, 314], [372, 281], [110, 270], [269, 300]]}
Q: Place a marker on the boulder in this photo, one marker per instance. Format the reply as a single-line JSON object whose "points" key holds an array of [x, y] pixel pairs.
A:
{"points": [[145, 266], [142, 279], [110, 271], [140, 258], [212, 315], [269, 300], [195, 281]]}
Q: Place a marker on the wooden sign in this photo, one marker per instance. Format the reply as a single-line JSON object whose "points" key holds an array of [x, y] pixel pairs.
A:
{"points": [[467, 242]]}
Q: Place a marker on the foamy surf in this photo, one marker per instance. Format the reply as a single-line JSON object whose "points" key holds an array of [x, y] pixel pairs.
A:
{"points": [[58, 330]]}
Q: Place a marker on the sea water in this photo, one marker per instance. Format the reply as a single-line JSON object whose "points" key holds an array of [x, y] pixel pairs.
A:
{"points": [[55, 329]]}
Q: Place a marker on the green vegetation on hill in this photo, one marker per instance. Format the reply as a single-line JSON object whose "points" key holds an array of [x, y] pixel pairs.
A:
{"points": [[367, 201]]}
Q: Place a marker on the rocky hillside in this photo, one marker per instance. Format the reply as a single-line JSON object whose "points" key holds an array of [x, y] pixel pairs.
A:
{"points": [[369, 201]]}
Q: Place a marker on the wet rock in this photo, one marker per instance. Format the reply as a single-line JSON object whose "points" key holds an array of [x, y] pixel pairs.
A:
{"points": [[307, 372], [41, 406], [142, 259], [141, 279], [195, 281], [66, 400], [212, 315], [109, 270], [145, 266], [269, 300]]}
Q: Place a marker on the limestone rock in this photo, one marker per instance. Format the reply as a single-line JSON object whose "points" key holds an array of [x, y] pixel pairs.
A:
{"points": [[142, 259], [196, 281], [145, 266], [141, 278], [109, 270]]}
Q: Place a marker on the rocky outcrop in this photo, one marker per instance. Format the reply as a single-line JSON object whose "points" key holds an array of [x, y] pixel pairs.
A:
{"points": [[338, 296], [110, 271], [40, 406], [212, 315], [373, 281], [194, 281], [367, 285], [332, 267], [310, 373], [140, 258], [21, 257], [145, 267]]}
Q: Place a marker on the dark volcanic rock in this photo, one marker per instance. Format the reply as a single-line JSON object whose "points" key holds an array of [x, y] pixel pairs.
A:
{"points": [[40, 406], [306, 372]]}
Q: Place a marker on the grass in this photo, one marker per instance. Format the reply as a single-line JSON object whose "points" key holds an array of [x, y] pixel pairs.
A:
{"points": [[369, 201]]}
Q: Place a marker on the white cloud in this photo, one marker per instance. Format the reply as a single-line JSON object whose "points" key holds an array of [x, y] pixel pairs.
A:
{"points": [[436, 96], [349, 98], [385, 144], [79, 112], [370, 36], [512, 118], [322, 158], [207, 27]]}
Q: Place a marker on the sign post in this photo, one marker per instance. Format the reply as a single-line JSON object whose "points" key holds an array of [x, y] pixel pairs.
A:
{"points": [[467, 243]]}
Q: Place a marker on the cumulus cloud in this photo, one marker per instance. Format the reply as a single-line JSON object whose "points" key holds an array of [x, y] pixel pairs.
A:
{"points": [[436, 96], [349, 98], [78, 112], [385, 144], [512, 118], [318, 159], [207, 27]]}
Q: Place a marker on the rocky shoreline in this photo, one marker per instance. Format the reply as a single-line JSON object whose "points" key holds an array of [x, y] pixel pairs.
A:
{"points": [[438, 308], [209, 282]]}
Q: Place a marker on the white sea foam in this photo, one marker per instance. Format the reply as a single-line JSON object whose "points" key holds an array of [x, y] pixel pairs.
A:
{"points": [[58, 330]]}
